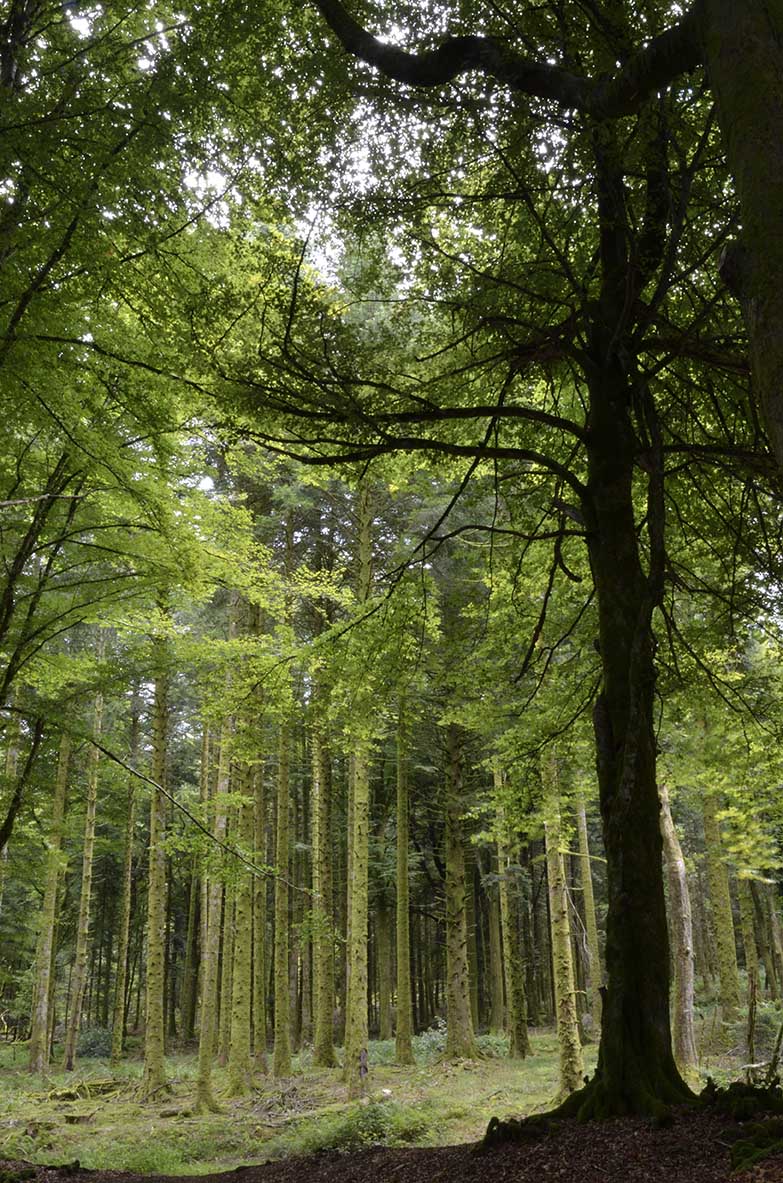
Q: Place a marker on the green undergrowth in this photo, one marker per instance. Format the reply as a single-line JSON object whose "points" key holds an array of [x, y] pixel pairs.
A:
{"points": [[95, 1114]]}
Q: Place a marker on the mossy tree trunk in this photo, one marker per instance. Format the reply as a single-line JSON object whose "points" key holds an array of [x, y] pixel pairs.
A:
{"points": [[681, 923], [212, 904], [323, 927], [404, 1033], [497, 1009], [636, 1068], [240, 1068], [591, 924], [722, 919], [194, 939], [356, 1065], [281, 1060], [227, 934], [126, 898], [569, 1045], [749, 938], [42, 991], [460, 1037], [383, 945], [79, 973], [510, 927], [259, 923], [154, 1031]]}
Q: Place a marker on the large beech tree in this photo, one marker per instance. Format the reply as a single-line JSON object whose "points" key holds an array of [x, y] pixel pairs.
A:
{"points": [[635, 155]]}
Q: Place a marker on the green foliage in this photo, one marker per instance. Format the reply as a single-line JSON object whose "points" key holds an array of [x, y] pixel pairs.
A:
{"points": [[94, 1043], [379, 1123]]}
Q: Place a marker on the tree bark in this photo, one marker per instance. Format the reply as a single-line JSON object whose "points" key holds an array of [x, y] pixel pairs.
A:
{"points": [[123, 941], [569, 1045], [682, 943], [240, 1068], [722, 919], [42, 992], [743, 49], [591, 924], [154, 1033], [78, 977], [460, 1039], [404, 1034], [281, 1059]]}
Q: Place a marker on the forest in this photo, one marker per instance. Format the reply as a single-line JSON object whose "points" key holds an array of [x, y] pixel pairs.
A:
{"points": [[391, 691]]}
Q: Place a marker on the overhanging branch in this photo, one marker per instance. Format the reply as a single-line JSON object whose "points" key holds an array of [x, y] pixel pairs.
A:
{"points": [[674, 52]]}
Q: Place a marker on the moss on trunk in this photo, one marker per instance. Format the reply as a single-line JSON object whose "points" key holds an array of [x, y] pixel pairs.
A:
{"points": [[42, 989]]}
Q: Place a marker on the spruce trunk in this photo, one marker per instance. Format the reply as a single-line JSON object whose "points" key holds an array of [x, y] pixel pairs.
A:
{"points": [[460, 1039], [44, 960], [78, 976], [569, 1045], [404, 1036], [154, 1029]]}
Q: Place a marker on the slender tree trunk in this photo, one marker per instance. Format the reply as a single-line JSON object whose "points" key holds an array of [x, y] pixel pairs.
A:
{"points": [[281, 1062], [123, 944], [471, 927], [154, 1024], [323, 928], [240, 1070], [194, 939], [78, 977], [571, 1064], [720, 898], [356, 1064], [383, 945], [591, 925], [460, 1039], [404, 1036], [228, 933], [44, 960], [682, 942], [749, 938], [212, 904], [513, 957], [356, 1059], [259, 924], [497, 1009]]}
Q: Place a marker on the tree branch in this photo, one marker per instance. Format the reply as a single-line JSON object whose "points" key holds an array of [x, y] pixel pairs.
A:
{"points": [[674, 52]]}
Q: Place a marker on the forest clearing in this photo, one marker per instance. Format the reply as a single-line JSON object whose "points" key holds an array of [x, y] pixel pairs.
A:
{"points": [[391, 585]]}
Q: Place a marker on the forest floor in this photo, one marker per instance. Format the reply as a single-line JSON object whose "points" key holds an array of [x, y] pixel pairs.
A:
{"points": [[415, 1124]]}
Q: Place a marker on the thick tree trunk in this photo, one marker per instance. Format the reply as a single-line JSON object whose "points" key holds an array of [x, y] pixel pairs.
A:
{"points": [[682, 942], [42, 992], [722, 919], [636, 1069], [569, 1044], [460, 1040], [404, 1035]]}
